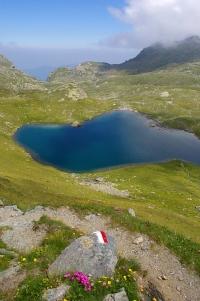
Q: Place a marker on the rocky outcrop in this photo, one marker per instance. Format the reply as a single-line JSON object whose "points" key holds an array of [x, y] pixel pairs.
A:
{"points": [[99, 184], [86, 254], [13, 79], [11, 278]]}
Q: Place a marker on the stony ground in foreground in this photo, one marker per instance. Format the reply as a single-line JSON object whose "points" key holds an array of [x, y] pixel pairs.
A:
{"points": [[174, 281]]}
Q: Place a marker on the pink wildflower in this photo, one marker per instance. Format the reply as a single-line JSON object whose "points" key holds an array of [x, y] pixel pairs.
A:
{"points": [[81, 278]]}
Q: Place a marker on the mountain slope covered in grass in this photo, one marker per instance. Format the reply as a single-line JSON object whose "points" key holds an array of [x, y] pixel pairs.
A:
{"points": [[158, 56], [12, 79]]}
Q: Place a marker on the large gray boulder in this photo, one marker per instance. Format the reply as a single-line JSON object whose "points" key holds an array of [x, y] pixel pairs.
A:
{"points": [[87, 255], [121, 296]]}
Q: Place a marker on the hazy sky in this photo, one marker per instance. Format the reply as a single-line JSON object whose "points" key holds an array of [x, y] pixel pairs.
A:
{"points": [[37, 33]]}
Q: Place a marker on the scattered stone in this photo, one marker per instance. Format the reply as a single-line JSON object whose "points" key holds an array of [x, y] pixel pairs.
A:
{"points": [[163, 277], [86, 254], [99, 179], [1, 203], [106, 187], [61, 99], [178, 289], [56, 294], [180, 278], [197, 208], [145, 247], [11, 278], [131, 212], [164, 94], [90, 217], [138, 240], [76, 124], [121, 296]]}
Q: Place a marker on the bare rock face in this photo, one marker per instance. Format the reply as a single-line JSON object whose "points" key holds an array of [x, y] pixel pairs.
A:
{"points": [[56, 294], [121, 296], [11, 278], [87, 255]]}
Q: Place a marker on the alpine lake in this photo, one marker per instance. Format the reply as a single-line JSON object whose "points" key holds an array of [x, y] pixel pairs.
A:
{"points": [[113, 139]]}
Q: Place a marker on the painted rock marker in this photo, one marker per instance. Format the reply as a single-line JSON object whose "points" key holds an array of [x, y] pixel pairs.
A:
{"points": [[102, 237]]}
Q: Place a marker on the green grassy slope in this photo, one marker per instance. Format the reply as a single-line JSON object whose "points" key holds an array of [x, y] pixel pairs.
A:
{"points": [[161, 194]]}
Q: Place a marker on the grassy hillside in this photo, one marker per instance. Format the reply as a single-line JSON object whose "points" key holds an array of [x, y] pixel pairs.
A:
{"points": [[27, 183], [164, 196], [170, 96]]}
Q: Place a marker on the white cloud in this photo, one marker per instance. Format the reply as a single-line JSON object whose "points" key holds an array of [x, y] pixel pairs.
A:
{"points": [[156, 20]]}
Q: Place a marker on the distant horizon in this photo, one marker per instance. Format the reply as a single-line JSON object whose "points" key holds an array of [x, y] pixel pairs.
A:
{"points": [[42, 71], [37, 33], [33, 62]]}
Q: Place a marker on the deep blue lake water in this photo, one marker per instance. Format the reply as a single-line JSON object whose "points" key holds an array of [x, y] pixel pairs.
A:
{"points": [[112, 139]]}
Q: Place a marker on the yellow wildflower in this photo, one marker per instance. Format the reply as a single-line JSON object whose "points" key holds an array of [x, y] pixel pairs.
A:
{"points": [[130, 270], [35, 259], [125, 278], [109, 282], [23, 259]]}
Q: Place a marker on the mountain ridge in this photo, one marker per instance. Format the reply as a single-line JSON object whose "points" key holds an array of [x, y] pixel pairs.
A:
{"points": [[154, 57], [159, 55]]}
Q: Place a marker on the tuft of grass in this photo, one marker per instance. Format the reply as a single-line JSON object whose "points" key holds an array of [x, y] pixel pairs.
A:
{"points": [[4, 259], [33, 287]]}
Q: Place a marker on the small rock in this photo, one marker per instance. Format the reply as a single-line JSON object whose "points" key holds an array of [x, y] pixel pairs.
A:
{"points": [[144, 247], [86, 254], [164, 94], [11, 278], [1, 203], [99, 179], [76, 124], [178, 288], [90, 217], [138, 240], [180, 278], [56, 294], [163, 277], [131, 212], [197, 208], [121, 296]]}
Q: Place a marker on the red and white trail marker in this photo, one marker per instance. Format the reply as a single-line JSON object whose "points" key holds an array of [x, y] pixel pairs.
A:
{"points": [[102, 237]]}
